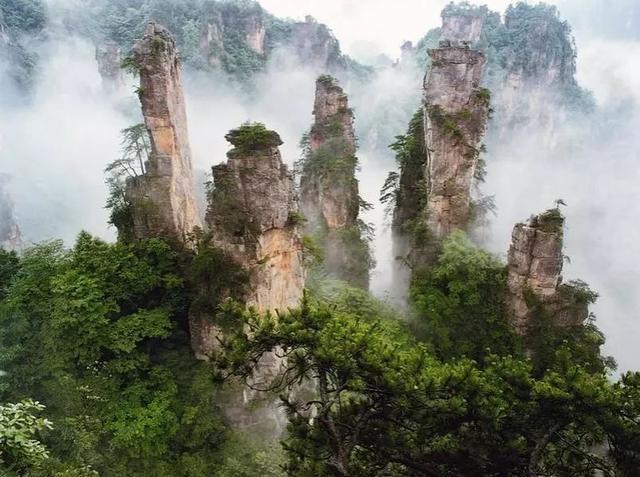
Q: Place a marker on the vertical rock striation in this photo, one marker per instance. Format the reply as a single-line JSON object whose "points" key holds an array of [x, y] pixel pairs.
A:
{"points": [[330, 199], [251, 206], [163, 202], [250, 219], [463, 23], [439, 155], [10, 235], [535, 274], [316, 47], [456, 113]]}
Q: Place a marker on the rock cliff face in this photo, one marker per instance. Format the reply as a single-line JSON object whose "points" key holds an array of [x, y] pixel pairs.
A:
{"points": [[163, 201], [109, 59], [463, 25], [255, 33], [530, 66], [456, 113], [535, 274], [315, 46], [439, 155], [250, 218], [10, 235], [330, 199]]}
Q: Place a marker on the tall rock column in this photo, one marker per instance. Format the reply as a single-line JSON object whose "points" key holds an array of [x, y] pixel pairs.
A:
{"points": [[438, 157], [329, 194], [163, 198], [456, 113], [251, 217], [535, 274]]}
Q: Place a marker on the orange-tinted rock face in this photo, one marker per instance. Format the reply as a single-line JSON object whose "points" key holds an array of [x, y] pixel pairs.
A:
{"points": [[163, 198], [249, 219], [535, 273]]}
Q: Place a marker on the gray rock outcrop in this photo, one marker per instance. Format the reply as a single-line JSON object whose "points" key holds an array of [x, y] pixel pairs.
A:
{"points": [[329, 194], [534, 280], [456, 114], [109, 59]]}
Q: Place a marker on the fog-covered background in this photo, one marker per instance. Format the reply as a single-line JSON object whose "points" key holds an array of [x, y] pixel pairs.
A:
{"points": [[56, 145]]}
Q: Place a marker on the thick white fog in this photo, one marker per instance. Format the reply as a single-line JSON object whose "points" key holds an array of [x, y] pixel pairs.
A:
{"points": [[56, 146]]}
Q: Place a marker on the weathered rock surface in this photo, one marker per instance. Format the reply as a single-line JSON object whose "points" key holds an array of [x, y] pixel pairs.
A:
{"points": [[109, 59], [463, 26], [249, 219], [535, 274], [456, 113], [531, 66], [315, 46], [329, 194], [163, 198], [10, 235], [252, 224]]}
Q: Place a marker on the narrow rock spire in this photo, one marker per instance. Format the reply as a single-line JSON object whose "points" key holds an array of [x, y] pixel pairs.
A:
{"points": [[456, 113], [163, 198], [330, 199]]}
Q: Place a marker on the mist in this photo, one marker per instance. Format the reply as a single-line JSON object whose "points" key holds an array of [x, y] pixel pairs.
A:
{"points": [[56, 145]]}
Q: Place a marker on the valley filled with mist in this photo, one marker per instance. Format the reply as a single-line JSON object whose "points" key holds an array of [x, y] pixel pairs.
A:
{"points": [[307, 238]]}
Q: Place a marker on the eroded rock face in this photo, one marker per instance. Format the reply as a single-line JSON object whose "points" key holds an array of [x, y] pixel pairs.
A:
{"points": [[464, 26], [249, 218], [255, 33], [328, 186], [163, 198], [109, 59], [10, 235], [535, 274], [456, 113], [316, 47]]}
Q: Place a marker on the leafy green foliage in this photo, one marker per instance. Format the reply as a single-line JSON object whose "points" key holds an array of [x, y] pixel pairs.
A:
{"points": [[9, 265], [19, 425], [408, 192], [460, 302], [383, 405], [98, 333], [252, 137], [213, 277], [135, 150]]}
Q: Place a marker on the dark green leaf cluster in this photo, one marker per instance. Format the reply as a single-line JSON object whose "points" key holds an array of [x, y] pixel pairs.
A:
{"points": [[385, 405], [98, 333], [252, 138], [460, 303]]}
